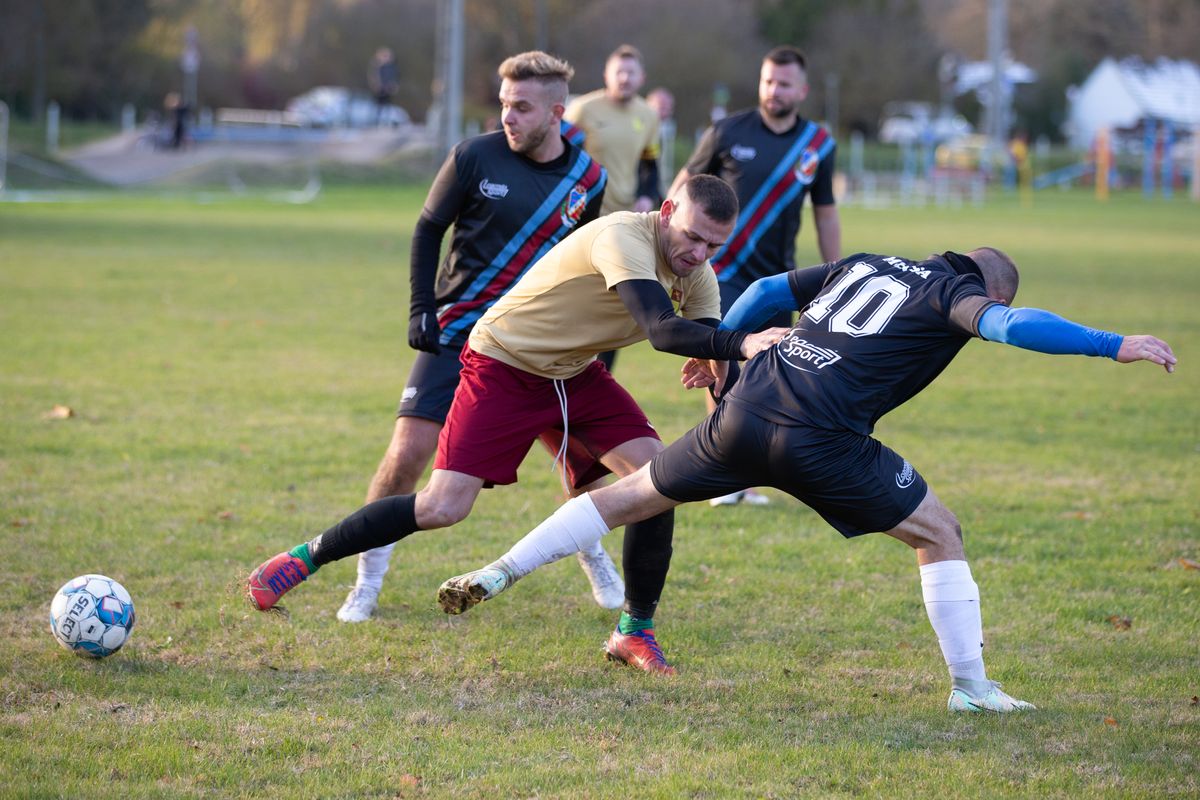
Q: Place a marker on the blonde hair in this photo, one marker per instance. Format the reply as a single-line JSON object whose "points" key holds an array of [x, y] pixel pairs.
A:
{"points": [[551, 72]]}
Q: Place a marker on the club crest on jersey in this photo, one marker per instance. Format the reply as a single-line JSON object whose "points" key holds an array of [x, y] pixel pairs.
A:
{"points": [[573, 207], [806, 167], [493, 190], [803, 354]]}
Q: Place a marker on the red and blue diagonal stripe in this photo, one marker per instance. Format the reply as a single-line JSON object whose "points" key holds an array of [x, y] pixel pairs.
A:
{"points": [[572, 133], [542, 231], [777, 192]]}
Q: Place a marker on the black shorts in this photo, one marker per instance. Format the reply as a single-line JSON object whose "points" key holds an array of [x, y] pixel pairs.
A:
{"points": [[431, 384], [730, 292], [856, 483]]}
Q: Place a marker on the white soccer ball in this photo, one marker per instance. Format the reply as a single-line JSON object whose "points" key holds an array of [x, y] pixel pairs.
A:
{"points": [[91, 616]]}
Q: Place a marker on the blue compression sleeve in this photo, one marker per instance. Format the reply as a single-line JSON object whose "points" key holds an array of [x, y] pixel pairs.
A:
{"points": [[764, 299], [1035, 329]]}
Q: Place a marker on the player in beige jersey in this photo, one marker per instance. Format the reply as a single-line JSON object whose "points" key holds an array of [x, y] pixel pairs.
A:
{"points": [[530, 372], [621, 131]]}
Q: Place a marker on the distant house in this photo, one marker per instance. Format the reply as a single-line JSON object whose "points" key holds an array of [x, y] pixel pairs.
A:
{"points": [[1123, 95]]}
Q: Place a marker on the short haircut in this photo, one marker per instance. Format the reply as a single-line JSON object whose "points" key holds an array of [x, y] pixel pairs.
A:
{"points": [[551, 72], [786, 54], [626, 51], [1000, 274], [713, 196]]}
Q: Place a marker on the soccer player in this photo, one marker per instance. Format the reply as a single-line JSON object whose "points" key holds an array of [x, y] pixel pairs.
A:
{"points": [[773, 158], [620, 130], [874, 331], [510, 195], [529, 372]]}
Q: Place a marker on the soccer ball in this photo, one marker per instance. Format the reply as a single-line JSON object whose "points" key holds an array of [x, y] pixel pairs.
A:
{"points": [[92, 616]]}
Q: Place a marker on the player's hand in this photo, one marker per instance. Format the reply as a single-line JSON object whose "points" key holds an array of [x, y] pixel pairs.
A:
{"points": [[423, 332], [755, 343], [698, 373], [643, 204], [1147, 348]]}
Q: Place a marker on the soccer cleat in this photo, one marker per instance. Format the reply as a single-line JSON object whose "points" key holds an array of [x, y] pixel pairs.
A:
{"points": [[638, 649], [986, 697], [360, 604], [727, 499], [608, 590], [462, 592], [274, 578]]}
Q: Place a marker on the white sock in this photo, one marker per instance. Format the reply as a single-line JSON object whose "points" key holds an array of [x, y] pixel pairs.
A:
{"points": [[575, 526], [373, 565], [952, 602]]}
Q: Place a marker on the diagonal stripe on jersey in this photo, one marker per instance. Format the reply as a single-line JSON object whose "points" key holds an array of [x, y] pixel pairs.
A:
{"points": [[542, 231], [776, 193]]}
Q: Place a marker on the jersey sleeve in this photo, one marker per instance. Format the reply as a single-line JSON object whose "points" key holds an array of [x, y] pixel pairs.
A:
{"points": [[442, 206], [446, 195], [619, 254], [966, 305], [704, 159], [806, 283]]}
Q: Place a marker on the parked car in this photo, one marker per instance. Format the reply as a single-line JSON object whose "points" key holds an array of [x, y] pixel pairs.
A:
{"points": [[339, 107]]}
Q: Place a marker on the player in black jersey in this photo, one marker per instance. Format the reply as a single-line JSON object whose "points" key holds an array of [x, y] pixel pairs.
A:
{"points": [[510, 196], [773, 158], [874, 331]]}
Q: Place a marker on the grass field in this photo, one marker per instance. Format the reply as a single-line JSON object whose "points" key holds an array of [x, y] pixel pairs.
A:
{"points": [[233, 367]]}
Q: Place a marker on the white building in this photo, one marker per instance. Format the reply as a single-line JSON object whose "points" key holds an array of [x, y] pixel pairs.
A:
{"points": [[1121, 95]]}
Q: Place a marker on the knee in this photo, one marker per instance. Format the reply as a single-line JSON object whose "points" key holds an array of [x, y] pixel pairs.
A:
{"points": [[437, 511], [943, 537]]}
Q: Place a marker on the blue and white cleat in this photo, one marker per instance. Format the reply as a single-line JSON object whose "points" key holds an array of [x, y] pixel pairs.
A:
{"points": [[975, 697]]}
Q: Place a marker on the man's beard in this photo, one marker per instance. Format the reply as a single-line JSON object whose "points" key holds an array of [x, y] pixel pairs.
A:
{"points": [[786, 110], [533, 140]]}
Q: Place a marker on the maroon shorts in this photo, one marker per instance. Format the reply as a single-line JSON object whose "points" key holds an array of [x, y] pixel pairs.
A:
{"points": [[499, 411]]}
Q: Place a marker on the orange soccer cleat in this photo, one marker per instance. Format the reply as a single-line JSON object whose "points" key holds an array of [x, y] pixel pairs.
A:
{"points": [[638, 649], [274, 578]]}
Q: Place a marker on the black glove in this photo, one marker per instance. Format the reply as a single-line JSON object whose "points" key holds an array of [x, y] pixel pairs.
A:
{"points": [[423, 332]]}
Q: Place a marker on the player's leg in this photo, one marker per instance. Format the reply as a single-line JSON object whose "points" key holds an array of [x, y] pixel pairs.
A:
{"points": [[576, 525], [424, 404], [414, 441], [952, 603], [447, 499], [645, 557], [491, 425], [608, 588]]}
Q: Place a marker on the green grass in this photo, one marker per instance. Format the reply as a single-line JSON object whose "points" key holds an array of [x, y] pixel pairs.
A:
{"points": [[234, 366]]}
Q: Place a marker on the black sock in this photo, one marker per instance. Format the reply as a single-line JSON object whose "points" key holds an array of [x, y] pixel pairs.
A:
{"points": [[646, 559], [374, 525]]}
